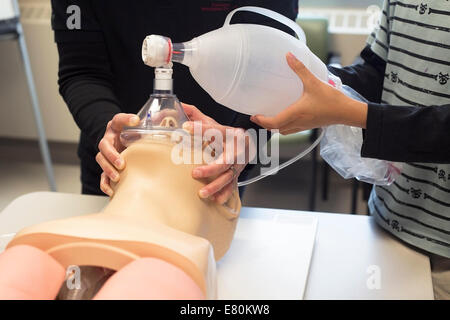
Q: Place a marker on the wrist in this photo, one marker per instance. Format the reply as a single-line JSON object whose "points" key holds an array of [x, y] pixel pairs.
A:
{"points": [[359, 118], [353, 113]]}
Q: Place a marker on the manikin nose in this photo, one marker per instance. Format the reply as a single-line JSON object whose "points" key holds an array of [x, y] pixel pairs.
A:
{"points": [[169, 122]]}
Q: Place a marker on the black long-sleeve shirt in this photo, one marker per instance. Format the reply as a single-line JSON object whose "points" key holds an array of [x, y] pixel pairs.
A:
{"points": [[397, 133], [101, 72]]}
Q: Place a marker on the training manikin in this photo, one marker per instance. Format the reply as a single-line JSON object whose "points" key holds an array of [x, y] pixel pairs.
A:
{"points": [[156, 232]]}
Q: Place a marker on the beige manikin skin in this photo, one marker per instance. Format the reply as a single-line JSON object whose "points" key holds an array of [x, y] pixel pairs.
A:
{"points": [[155, 212]]}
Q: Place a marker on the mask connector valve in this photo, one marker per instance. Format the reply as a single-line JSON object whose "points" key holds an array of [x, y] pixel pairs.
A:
{"points": [[163, 79]]}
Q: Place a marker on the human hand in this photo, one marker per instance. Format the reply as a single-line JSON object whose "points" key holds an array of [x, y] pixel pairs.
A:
{"points": [[226, 169], [320, 105], [110, 147]]}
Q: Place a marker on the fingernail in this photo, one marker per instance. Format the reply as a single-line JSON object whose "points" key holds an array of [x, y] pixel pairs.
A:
{"points": [[134, 120], [119, 163], [203, 193], [197, 173], [290, 55], [255, 118], [108, 191]]}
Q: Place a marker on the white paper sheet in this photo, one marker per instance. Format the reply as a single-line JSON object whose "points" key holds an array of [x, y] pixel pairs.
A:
{"points": [[258, 266]]}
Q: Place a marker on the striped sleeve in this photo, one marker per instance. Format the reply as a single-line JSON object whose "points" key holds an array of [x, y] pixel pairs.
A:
{"points": [[378, 39]]}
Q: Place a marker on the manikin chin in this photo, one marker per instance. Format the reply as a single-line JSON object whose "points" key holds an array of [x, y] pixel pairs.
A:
{"points": [[155, 212]]}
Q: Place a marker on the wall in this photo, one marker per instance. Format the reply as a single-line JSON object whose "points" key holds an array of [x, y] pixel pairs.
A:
{"points": [[16, 116]]}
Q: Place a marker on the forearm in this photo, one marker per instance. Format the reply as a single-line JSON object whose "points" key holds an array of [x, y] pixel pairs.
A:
{"points": [[91, 107], [407, 134], [351, 112], [399, 133], [85, 83], [85, 79]]}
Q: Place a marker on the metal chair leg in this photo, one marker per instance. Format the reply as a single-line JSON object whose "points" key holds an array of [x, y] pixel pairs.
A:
{"points": [[355, 186], [43, 145], [313, 186], [325, 178]]}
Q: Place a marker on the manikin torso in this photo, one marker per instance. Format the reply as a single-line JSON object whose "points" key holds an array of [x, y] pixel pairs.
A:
{"points": [[155, 212]]}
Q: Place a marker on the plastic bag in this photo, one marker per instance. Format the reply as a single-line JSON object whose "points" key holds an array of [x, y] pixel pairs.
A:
{"points": [[341, 149]]}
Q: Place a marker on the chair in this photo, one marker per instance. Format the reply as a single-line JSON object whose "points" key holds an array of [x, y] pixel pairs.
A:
{"points": [[11, 29]]}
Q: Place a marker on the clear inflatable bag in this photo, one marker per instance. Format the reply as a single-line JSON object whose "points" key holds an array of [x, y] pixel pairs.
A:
{"points": [[341, 149]]}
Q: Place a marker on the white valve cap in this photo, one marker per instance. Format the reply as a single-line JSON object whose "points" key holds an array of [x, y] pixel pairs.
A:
{"points": [[156, 51]]}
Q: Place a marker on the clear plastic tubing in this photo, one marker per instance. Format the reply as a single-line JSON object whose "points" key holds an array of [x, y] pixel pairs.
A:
{"points": [[285, 164]]}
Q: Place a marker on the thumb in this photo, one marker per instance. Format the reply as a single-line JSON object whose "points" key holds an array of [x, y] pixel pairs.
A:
{"points": [[123, 119], [190, 110], [194, 126], [194, 114], [300, 69]]}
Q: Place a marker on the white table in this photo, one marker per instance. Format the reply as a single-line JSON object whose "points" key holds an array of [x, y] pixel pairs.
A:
{"points": [[350, 251]]}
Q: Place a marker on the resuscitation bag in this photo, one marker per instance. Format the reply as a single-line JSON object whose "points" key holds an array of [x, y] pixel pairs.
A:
{"points": [[243, 67]]}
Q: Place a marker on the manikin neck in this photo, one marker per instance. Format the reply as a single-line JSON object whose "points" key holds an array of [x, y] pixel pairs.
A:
{"points": [[149, 173]]}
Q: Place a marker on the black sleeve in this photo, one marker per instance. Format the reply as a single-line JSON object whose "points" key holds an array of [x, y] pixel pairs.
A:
{"points": [[408, 134], [85, 77], [396, 133], [366, 78]]}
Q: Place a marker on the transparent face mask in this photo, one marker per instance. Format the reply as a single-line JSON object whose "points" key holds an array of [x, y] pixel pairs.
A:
{"points": [[160, 116]]}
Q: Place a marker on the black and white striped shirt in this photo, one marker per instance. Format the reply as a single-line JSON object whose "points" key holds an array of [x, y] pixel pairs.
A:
{"points": [[414, 40], [408, 61]]}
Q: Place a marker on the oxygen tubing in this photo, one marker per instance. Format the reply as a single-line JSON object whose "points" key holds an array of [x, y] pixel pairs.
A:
{"points": [[285, 164]]}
